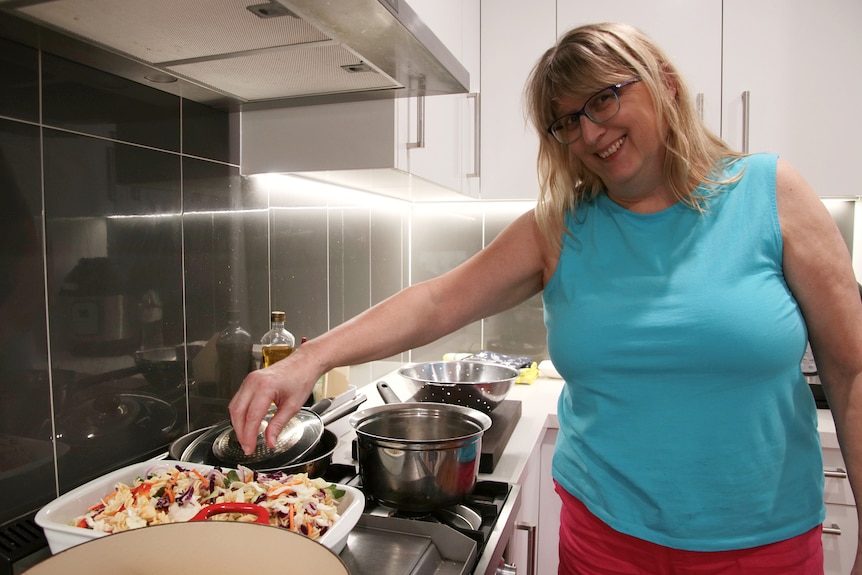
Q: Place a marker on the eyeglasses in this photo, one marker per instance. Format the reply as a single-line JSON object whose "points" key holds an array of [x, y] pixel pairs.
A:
{"points": [[601, 107]]}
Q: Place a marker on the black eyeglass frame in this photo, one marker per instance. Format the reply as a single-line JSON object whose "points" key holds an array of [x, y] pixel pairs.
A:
{"points": [[576, 116]]}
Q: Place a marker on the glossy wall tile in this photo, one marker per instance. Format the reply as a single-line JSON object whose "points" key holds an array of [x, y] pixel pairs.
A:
{"points": [[82, 99], [26, 449], [443, 236], [19, 81], [114, 251]]}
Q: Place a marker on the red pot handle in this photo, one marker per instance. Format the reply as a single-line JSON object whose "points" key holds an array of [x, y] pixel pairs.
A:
{"points": [[233, 507]]}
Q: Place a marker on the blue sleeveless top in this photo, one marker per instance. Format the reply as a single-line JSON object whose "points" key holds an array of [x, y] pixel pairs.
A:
{"points": [[685, 419]]}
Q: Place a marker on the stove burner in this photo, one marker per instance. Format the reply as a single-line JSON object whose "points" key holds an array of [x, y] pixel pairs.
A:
{"points": [[474, 517], [459, 517]]}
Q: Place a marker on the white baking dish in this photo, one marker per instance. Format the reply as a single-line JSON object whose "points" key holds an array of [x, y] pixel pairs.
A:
{"points": [[55, 518]]}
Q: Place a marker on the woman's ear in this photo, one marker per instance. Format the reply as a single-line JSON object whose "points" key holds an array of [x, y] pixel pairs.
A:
{"points": [[670, 81]]}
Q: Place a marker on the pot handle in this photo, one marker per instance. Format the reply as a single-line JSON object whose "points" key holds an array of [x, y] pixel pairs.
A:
{"points": [[387, 393], [233, 507]]}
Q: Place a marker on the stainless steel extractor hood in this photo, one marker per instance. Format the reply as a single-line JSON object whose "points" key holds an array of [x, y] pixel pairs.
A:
{"points": [[277, 52]]}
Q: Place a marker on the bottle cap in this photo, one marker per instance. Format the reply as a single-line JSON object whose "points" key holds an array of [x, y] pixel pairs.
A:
{"points": [[277, 316]]}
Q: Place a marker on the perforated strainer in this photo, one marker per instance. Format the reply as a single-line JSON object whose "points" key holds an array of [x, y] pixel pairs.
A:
{"points": [[297, 438]]}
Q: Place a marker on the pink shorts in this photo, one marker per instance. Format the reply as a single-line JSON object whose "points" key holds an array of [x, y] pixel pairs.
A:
{"points": [[589, 547]]}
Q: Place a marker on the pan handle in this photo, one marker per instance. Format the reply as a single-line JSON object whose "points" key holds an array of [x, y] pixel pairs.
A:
{"points": [[387, 393], [233, 507], [340, 411], [321, 406]]}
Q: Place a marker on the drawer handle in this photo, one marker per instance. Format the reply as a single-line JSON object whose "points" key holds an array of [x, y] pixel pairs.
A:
{"points": [[838, 473], [832, 530], [532, 545]]}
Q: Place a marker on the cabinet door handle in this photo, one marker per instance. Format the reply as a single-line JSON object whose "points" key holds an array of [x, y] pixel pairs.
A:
{"points": [[532, 546], [838, 473], [420, 124], [746, 104], [832, 530], [477, 136]]}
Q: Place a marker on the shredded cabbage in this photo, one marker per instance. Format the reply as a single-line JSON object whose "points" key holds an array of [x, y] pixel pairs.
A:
{"points": [[176, 494]]}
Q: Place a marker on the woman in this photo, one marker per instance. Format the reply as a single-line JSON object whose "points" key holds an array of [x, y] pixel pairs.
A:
{"points": [[681, 282]]}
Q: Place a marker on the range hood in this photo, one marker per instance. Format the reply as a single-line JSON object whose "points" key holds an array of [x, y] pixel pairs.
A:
{"points": [[264, 54]]}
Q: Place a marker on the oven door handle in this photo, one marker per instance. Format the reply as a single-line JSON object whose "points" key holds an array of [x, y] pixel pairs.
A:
{"points": [[532, 548]]}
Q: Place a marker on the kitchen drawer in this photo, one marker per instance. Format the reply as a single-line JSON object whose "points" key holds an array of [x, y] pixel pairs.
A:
{"points": [[840, 531], [836, 486]]}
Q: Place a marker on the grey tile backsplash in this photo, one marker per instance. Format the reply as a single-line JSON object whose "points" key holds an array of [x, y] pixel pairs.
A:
{"points": [[127, 228]]}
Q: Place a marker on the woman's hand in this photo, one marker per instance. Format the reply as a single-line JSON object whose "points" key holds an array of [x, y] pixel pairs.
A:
{"points": [[286, 383]]}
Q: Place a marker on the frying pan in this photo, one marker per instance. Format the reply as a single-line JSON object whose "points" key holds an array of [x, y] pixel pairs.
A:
{"points": [[314, 463], [299, 435]]}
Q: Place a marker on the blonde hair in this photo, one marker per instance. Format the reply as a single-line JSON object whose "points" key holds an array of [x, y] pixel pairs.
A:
{"points": [[587, 59]]}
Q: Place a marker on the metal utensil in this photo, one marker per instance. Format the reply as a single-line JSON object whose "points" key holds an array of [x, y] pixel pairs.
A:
{"points": [[297, 438], [196, 446], [477, 384]]}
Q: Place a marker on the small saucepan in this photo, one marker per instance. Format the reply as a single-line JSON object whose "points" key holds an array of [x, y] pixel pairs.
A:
{"points": [[419, 456]]}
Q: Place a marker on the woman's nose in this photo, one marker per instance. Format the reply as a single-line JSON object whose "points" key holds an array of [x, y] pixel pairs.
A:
{"points": [[590, 131]]}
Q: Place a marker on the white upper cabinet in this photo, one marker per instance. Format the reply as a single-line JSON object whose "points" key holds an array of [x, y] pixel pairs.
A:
{"points": [[443, 153], [513, 39], [412, 148], [798, 63], [689, 31], [514, 35]]}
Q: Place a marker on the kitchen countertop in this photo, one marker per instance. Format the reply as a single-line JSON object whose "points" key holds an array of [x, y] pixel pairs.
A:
{"points": [[538, 412]]}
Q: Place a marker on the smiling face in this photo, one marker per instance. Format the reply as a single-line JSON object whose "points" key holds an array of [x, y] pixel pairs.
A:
{"points": [[626, 152]]}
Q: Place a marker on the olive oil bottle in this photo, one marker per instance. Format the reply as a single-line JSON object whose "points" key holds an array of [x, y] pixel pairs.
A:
{"points": [[277, 343]]}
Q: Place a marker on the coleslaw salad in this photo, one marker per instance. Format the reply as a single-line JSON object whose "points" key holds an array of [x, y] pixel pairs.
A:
{"points": [[170, 493], [165, 491]]}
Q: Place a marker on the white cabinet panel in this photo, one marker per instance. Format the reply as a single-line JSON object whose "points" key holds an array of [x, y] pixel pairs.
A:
{"points": [[384, 146], [840, 532], [798, 61], [836, 485], [694, 48], [514, 35]]}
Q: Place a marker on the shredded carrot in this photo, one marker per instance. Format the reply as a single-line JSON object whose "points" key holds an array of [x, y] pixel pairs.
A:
{"points": [[279, 489], [200, 475], [290, 517]]}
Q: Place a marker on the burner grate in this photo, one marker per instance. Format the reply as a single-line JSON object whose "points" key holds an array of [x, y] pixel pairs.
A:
{"points": [[18, 540]]}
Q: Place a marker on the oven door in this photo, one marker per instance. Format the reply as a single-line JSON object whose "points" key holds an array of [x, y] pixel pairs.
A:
{"points": [[492, 560]]}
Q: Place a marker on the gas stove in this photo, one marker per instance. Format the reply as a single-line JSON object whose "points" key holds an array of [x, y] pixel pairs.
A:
{"points": [[463, 539]]}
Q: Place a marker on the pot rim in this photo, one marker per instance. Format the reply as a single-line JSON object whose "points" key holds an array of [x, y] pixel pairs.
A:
{"points": [[480, 420]]}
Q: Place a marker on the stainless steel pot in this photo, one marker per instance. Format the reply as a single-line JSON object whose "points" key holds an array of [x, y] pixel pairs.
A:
{"points": [[475, 384], [418, 457]]}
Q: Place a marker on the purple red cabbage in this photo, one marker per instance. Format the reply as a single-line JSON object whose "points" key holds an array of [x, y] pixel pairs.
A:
{"points": [[186, 496], [163, 504]]}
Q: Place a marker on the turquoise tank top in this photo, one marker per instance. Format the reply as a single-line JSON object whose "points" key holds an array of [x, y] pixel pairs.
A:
{"points": [[685, 419]]}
